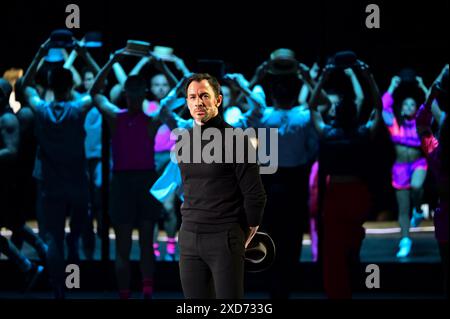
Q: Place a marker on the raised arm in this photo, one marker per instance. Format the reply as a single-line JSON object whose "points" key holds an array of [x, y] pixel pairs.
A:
{"points": [[181, 66], [357, 90], [316, 116], [101, 77], [421, 85], [307, 87], [374, 98], [87, 57], [260, 73], [304, 73], [175, 96], [138, 67], [239, 81], [430, 109], [68, 64], [435, 109]]}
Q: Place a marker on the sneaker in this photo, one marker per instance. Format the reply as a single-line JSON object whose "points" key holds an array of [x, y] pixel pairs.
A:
{"points": [[404, 247], [32, 276], [416, 218], [156, 252], [170, 250]]}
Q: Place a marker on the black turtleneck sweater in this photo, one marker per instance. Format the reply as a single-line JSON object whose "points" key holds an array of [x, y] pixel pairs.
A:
{"points": [[219, 194]]}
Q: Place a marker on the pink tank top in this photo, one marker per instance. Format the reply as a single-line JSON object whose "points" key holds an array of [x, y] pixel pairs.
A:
{"points": [[163, 142], [132, 147]]}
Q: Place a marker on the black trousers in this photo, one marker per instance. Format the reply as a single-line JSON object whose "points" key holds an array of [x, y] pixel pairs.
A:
{"points": [[212, 264]]}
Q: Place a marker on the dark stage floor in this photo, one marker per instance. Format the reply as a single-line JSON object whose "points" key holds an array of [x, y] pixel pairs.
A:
{"points": [[416, 277]]}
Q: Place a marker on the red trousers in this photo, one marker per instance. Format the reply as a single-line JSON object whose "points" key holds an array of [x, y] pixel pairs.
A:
{"points": [[345, 210]]}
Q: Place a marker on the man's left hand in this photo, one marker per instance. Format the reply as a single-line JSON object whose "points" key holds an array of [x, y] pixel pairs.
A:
{"points": [[251, 234]]}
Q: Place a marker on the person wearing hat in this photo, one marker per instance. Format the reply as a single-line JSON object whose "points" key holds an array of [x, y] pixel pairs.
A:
{"points": [[436, 149], [133, 172], [223, 204], [160, 85], [60, 166], [344, 182], [286, 216]]}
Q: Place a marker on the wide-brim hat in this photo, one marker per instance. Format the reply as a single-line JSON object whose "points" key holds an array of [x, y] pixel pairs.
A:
{"points": [[138, 48], [282, 61], [93, 39], [260, 253], [165, 53], [54, 55], [345, 59], [61, 38]]}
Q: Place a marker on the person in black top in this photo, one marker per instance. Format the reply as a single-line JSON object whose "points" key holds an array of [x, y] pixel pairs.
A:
{"points": [[224, 201], [344, 182]]}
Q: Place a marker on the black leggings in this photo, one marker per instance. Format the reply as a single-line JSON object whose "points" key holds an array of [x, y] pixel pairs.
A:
{"points": [[123, 248]]}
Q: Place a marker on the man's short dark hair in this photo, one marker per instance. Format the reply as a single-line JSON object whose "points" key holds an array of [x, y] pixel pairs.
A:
{"points": [[60, 80], [198, 77]]}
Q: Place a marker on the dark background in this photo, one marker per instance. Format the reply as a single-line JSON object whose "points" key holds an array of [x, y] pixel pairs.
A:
{"points": [[243, 33]]}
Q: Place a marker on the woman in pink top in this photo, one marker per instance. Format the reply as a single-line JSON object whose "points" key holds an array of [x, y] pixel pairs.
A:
{"points": [[159, 88], [133, 139], [410, 168]]}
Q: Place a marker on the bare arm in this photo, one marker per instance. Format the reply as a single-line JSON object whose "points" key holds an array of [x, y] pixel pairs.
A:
{"points": [[260, 73], [68, 64], [357, 90], [138, 67], [304, 73], [307, 87], [32, 97], [395, 82], [375, 99], [107, 109], [421, 85], [243, 85], [101, 77], [87, 57], [166, 115], [435, 109], [120, 73], [181, 66], [316, 117]]}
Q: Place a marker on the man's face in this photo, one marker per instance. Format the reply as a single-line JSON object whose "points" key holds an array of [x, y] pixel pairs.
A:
{"points": [[202, 102], [159, 86], [88, 80]]}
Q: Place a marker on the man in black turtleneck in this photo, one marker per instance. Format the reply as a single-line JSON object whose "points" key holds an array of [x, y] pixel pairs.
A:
{"points": [[223, 206]]}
